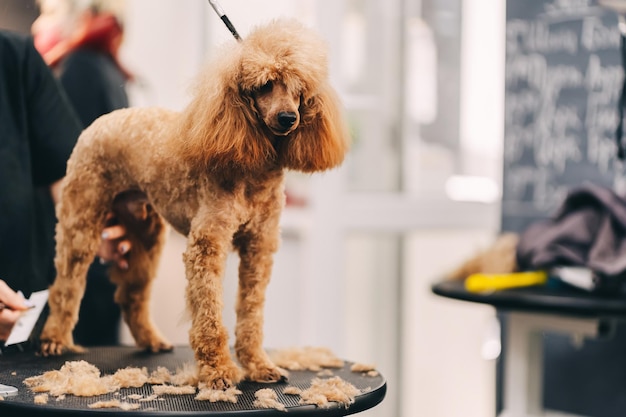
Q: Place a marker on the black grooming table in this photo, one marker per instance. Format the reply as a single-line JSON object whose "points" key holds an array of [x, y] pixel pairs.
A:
{"points": [[555, 299], [15, 367]]}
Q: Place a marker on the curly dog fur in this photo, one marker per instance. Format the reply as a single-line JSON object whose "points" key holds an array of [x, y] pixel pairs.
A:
{"points": [[215, 173]]}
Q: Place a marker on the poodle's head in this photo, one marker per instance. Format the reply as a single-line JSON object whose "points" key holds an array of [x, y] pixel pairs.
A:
{"points": [[278, 107], [266, 102]]}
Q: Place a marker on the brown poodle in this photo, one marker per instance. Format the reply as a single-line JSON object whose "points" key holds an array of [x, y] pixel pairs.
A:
{"points": [[215, 173]]}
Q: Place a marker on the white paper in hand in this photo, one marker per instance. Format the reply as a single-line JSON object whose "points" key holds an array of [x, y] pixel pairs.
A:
{"points": [[24, 326]]}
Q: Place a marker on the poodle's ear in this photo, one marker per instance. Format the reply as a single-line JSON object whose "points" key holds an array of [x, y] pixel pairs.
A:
{"points": [[322, 140], [218, 128]]}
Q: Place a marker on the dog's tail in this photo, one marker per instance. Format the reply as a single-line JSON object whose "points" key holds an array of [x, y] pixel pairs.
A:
{"points": [[500, 258]]}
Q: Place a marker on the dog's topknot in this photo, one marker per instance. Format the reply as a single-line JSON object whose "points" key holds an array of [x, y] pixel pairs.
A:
{"points": [[285, 49]]}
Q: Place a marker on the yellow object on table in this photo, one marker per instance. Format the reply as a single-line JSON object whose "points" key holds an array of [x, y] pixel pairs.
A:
{"points": [[492, 282]]}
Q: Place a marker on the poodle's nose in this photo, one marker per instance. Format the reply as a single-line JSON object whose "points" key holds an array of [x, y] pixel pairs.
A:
{"points": [[286, 119]]}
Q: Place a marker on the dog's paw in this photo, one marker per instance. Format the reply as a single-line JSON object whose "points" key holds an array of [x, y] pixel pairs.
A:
{"points": [[159, 346], [55, 348], [152, 341], [220, 378], [267, 374]]}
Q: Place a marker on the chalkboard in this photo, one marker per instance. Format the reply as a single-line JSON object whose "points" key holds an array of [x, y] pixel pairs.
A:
{"points": [[563, 79]]}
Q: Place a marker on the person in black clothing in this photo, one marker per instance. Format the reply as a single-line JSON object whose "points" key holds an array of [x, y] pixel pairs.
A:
{"points": [[38, 130], [80, 40]]}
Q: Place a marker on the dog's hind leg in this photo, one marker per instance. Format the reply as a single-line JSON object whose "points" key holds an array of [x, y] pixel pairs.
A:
{"points": [[146, 232], [133, 296], [77, 240]]}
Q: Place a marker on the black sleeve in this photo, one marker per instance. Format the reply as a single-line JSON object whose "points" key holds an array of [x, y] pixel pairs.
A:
{"points": [[93, 82], [54, 127], [82, 83]]}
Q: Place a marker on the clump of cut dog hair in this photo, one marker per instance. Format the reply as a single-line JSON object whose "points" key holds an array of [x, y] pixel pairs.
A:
{"points": [[306, 359], [217, 395], [267, 398], [81, 378], [325, 391], [173, 389], [114, 404], [365, 369], [41, 399]]}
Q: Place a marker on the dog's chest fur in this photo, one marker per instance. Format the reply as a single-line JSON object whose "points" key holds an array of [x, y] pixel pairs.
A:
{"points": [[246, 199]]}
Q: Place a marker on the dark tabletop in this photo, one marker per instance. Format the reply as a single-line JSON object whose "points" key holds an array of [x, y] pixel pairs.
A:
{"points": [[16, 366], [556, 299]]}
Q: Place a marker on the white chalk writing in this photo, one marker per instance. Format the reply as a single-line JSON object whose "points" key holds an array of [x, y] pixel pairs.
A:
{"points": [[563, 78]]}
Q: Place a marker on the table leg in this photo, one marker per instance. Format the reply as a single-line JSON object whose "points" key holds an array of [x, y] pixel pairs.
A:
{"points": [[523, 366]]}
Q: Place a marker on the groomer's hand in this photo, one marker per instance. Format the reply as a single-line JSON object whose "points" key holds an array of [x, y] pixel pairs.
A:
{"points": [[114, 247], [11, 306]]}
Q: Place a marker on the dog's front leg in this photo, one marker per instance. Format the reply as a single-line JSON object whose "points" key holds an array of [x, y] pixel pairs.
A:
{"points": [[205, 259], [256, 248]]}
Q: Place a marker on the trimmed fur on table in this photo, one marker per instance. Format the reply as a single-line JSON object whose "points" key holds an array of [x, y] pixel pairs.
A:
{"points": [[365, 369], [324, 391], [81, 378], [306, 359], [41, 399], [214, 395], [321, 393], [267, 398], [114, 404], [499, 258]]}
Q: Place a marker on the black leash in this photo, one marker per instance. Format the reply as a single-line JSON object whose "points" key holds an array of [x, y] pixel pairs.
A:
{"points": [[619, 132], [225, 19]]}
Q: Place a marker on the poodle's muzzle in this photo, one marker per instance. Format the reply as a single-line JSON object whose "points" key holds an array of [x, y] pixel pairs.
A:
{"points": [[278, 107]]}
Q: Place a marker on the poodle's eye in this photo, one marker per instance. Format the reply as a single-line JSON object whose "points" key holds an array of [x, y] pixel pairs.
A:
{"points": [[266, 88]]}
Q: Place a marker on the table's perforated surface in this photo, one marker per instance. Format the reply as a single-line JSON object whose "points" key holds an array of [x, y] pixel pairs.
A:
{"points": [[15, 367]]}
